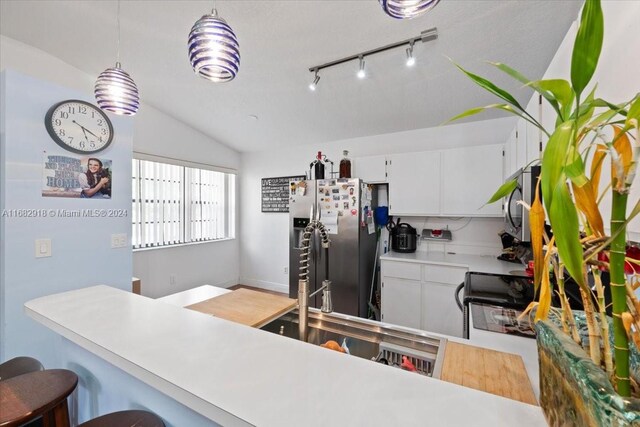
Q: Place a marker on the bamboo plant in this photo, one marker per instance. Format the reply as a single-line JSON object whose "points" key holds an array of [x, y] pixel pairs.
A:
{"points": [[587, 129]]}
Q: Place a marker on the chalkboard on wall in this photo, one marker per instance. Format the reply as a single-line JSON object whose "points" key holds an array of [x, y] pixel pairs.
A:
{"points": [[275, 193]]}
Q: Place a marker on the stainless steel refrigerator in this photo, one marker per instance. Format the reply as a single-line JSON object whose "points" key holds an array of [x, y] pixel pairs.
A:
{"points": [[345, 207]]}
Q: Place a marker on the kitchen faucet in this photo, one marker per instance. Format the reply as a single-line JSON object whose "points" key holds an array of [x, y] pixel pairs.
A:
{"points": [[303, 282]]}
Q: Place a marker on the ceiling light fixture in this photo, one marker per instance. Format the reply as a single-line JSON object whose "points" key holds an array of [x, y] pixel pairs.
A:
{"points": [[425, 36], [411, 61], [361, 74], [407, 9], [115, 90], [214, 51], [313, 85]]}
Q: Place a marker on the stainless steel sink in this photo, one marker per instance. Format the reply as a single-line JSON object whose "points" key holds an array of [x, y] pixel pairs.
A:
{"points": [[368, 339]]}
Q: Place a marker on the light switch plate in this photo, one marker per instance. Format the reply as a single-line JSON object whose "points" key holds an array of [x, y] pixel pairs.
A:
{"points": [[43, 248], [119, 240]]}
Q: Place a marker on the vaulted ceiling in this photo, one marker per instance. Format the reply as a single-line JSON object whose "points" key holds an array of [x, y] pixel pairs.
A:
{"points": [[280, 40]]}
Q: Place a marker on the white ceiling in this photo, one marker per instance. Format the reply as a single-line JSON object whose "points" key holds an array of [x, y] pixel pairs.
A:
{"points": [[280, 40]]}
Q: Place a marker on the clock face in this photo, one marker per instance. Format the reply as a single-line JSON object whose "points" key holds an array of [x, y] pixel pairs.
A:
{"points": [[79, 126]]}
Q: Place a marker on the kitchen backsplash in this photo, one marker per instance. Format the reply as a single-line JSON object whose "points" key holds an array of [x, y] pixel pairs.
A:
{"points": [[476, 236]]}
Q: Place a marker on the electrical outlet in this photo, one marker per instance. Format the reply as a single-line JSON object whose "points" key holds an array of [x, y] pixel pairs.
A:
{"points": [[172, 280], [286, 270]]}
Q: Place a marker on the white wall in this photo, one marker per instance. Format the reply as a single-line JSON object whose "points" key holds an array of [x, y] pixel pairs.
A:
{"points": [[265, 236], [213, 263], [156, 133]]}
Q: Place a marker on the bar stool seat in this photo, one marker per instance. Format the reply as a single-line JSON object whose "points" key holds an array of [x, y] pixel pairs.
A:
{"points": [[131, 418], [43, 393], [18, 366]]}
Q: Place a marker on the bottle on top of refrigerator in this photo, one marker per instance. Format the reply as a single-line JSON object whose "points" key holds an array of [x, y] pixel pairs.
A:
{"points": [[345, 165], [318, 167]]}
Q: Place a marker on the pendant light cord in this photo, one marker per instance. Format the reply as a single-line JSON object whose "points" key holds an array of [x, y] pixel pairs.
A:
{"points": [[118, 23]]}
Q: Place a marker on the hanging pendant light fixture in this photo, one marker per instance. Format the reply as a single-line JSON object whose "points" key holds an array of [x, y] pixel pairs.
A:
{"points": [[214, 51], [407, 9], [115, 90]]}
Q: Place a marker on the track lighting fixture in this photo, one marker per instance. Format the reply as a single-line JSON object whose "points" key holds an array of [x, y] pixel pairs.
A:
{"points": [[411, 61], [407, 9], [314, 84], [425, 36], [361, 74]]}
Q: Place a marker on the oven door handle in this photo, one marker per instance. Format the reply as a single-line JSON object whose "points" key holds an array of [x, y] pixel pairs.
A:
{"points": [[457, 295]]}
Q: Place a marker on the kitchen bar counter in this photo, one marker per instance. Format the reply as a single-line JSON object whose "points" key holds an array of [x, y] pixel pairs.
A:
{"points": [[476, 263], [238, 375]]}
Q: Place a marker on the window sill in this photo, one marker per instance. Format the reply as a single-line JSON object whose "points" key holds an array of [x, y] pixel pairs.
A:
{"points": [[182, 244]]}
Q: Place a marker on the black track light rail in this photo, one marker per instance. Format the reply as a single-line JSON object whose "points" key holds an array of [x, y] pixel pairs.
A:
{"points": [[425, 36]]}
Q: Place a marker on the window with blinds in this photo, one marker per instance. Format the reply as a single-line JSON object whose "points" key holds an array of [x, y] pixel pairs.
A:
{"points": [[175, 204]]}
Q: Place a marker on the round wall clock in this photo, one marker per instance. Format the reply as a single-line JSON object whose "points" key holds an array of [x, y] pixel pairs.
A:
{"points": [[79, 126]]}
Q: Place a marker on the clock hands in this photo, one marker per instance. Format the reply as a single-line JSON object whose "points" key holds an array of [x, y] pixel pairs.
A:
{"points": [[85, 130]]}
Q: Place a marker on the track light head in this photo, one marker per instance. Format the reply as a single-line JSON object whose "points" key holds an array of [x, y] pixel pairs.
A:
{"points": [[411, 61], [313, 85], [361, 73]]}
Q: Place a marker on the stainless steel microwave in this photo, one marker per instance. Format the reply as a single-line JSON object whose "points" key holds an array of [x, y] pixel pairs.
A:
{"points": [[516, 217]]}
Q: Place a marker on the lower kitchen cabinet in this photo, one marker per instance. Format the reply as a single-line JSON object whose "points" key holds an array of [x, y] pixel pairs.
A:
{"points": [[401, 300], [439, 310], [421, 296]]}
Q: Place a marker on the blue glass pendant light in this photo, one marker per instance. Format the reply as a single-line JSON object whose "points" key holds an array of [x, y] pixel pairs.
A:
{"points": [[115, 90], [407, 9], [214, 51]]}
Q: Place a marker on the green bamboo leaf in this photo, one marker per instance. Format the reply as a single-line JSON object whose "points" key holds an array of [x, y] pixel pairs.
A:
{"points": [[504, 190], [634, 113], [587, 108], [471, 112], [553, 161], [574, 168], [521, 78], [561, 89], [587, 47], [563, 217], [487, 85]]}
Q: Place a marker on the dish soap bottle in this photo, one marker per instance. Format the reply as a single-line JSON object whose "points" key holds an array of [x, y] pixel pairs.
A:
{"points": [[345, 165]]}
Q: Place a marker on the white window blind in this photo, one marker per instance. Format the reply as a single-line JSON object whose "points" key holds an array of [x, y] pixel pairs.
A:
{"points": [[175, 204]]}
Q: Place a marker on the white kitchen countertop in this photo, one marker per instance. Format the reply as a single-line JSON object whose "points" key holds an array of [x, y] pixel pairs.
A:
{"points": [[477, 263], [237, 375]]}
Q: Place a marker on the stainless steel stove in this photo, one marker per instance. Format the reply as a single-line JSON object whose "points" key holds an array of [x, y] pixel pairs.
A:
{"points": [[496, 301]]}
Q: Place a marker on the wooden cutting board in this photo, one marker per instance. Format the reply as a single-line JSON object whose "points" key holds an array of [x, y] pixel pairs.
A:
{"points": [[491, 371], [245, 306]]}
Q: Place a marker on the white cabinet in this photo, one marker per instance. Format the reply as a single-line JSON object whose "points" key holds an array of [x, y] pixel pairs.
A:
{"points": [[510, 165], [534, 135], [400, 301], [470, 176], [371, 169], [521, 144], [440, 313], [439, 310], [422, 297], [414, 183]]}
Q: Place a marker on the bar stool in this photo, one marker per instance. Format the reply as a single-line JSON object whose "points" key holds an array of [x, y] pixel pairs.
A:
{"points": [[132, 418], [43, 393], [18, 366]]}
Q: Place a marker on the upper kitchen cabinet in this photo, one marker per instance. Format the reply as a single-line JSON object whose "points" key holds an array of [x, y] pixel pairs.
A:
{"points": [[470, 176], [414, 183], [509, 164], [371, 169]]}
